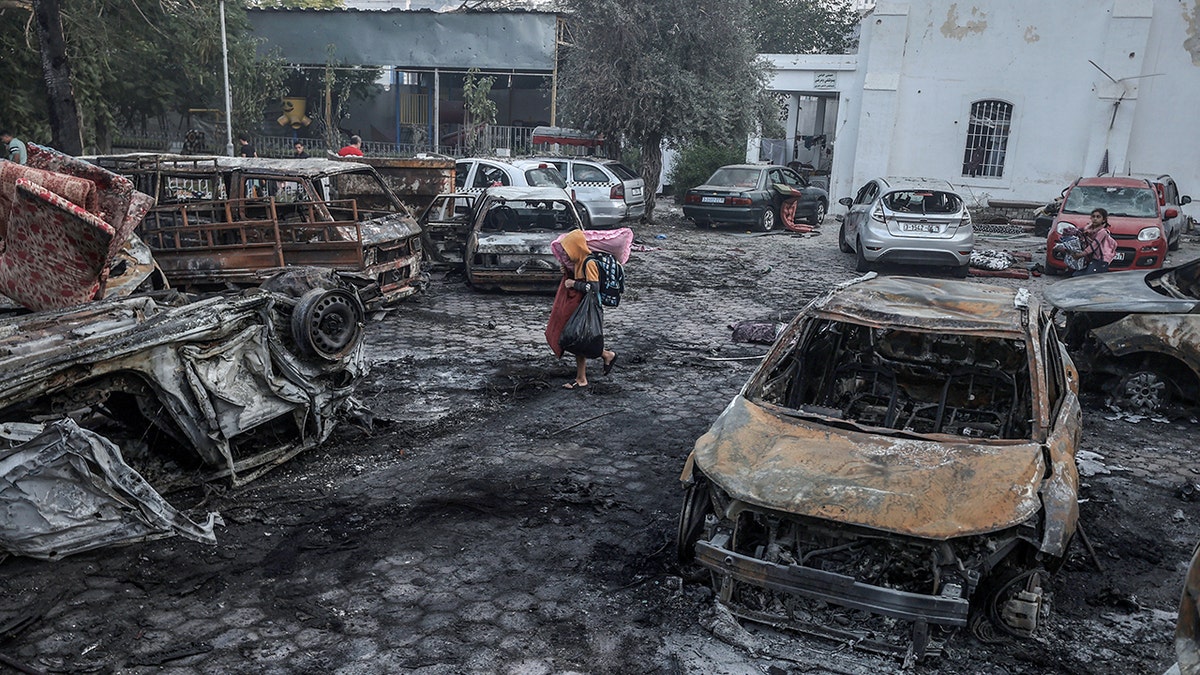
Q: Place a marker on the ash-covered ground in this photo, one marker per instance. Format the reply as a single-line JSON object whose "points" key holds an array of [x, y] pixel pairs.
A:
{"points": [[493, 522]]}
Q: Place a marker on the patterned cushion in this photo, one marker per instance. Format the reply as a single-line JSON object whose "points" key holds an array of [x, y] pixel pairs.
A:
{"points": [[56, 252], [61, 220]]}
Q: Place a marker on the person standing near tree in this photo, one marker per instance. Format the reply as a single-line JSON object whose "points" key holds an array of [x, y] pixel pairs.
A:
{"points": [[14, 148], [354, 149]]}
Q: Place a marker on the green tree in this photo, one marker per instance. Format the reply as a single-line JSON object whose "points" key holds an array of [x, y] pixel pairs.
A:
{"points": [[139, 61], [804, 26], [478, 109], [646, 71], [697, 161]]}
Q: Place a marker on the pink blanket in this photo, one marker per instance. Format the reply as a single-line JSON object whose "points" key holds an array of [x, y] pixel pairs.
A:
{"points": [[614, 242]]}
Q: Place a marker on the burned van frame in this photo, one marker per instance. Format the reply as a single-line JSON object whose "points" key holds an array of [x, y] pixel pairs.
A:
{"points": [[223, 221]]}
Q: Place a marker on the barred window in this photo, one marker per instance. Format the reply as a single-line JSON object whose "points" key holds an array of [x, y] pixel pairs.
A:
{"points": [[987, 139]]}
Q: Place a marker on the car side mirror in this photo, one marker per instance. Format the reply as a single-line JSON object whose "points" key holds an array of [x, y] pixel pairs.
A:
{"points": [[1185, 200], [846, 202], [1170, 213]]}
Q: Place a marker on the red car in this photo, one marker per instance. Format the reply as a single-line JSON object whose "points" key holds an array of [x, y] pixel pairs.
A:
{"points": [[1136, 215]]}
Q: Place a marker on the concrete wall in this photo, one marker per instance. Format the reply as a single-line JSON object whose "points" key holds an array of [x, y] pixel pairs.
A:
{"points": [[922, 63]]}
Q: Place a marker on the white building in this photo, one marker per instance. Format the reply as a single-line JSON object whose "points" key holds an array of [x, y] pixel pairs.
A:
{"points": [[1009, 100]]}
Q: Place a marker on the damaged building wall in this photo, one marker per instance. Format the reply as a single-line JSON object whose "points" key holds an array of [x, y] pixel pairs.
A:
{"points": [[922, 64]]}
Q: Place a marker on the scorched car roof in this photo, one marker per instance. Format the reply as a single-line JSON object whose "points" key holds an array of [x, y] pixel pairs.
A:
{"points": [[311, 167], [930, 304]]}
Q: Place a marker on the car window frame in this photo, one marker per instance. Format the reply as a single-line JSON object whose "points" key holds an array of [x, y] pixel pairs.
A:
{"points": [[576, 177], [505, 181], [799, 180]]}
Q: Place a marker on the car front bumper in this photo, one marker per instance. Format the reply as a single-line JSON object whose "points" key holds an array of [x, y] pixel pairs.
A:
{"points": [[830, 587]]}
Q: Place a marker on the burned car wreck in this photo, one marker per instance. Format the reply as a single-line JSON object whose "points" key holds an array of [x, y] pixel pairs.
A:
{"points": [[900, 466], [1135, 334], [225, 386], [222, 221]]}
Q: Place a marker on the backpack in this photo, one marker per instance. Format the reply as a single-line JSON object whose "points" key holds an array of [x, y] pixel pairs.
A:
{"points": [[612, 278]]}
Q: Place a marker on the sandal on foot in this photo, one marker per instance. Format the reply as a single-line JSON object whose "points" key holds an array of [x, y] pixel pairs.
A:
{"points": [[608, 365], [574, 385]]}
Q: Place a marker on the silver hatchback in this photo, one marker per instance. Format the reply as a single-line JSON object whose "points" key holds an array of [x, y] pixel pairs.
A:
{"points": [[911, 221]]}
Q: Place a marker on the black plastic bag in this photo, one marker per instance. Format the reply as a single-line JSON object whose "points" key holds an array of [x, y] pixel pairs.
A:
{"points": [[583, 335]]}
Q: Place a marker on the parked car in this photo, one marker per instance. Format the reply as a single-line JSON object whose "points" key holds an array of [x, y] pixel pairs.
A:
{"points": [[234, 220], [906, 449], [474, 174], [513, 228], [606, 192], [754, 194], [1135, 334], [1144, 218], [911, 221]]}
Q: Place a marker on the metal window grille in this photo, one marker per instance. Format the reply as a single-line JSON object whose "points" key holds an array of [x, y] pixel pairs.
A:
{"points": [[987, 139]]}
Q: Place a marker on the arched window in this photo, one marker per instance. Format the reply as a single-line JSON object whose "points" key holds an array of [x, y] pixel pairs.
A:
{"points": [[987, 139]]}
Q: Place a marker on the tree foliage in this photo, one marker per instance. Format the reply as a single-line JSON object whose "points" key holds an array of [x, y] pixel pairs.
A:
{"points": [[134, 60], [697, 161], [478, 109], [804, 26], [645, 71]]}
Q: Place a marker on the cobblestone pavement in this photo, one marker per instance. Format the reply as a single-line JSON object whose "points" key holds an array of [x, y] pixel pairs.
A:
{"points": [[496, 523]]}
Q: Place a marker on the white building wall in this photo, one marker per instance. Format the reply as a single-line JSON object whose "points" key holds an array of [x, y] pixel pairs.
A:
{"points": [[922, 63]]}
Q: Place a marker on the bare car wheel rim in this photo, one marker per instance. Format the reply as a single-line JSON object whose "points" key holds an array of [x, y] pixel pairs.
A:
{"points": [[1144, 390], [768, 220], [328, 323]]}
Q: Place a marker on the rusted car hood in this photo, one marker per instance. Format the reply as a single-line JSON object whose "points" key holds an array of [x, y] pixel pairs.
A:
{"points": [[1125, 292], [390, 228], [919, 488], [537, 243]]}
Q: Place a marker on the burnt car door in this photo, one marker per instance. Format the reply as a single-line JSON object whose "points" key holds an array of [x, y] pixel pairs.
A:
{"points": [[1060, 401], [446, 226]]}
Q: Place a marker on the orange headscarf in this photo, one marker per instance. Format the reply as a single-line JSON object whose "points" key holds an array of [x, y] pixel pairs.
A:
{"points": [[577, 249]]}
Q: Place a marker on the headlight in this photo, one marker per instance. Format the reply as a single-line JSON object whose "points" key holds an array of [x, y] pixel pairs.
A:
{"points": [[1062, 225], [1149, 233]]}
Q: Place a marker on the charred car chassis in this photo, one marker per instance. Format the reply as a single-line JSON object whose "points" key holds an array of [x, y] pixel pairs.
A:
{"points": [[904, 453], [223, 386]]}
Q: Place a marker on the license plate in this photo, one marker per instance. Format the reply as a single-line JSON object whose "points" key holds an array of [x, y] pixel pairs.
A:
{"points": [[920, 227], [1121, 256], [712, 200]]}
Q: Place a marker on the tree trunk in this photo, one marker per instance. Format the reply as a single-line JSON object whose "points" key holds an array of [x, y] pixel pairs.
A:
{"points": [[651, 168], [66, 134]]}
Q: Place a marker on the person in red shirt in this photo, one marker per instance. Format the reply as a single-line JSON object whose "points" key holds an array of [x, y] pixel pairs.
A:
{"points": [[352, 150]]}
